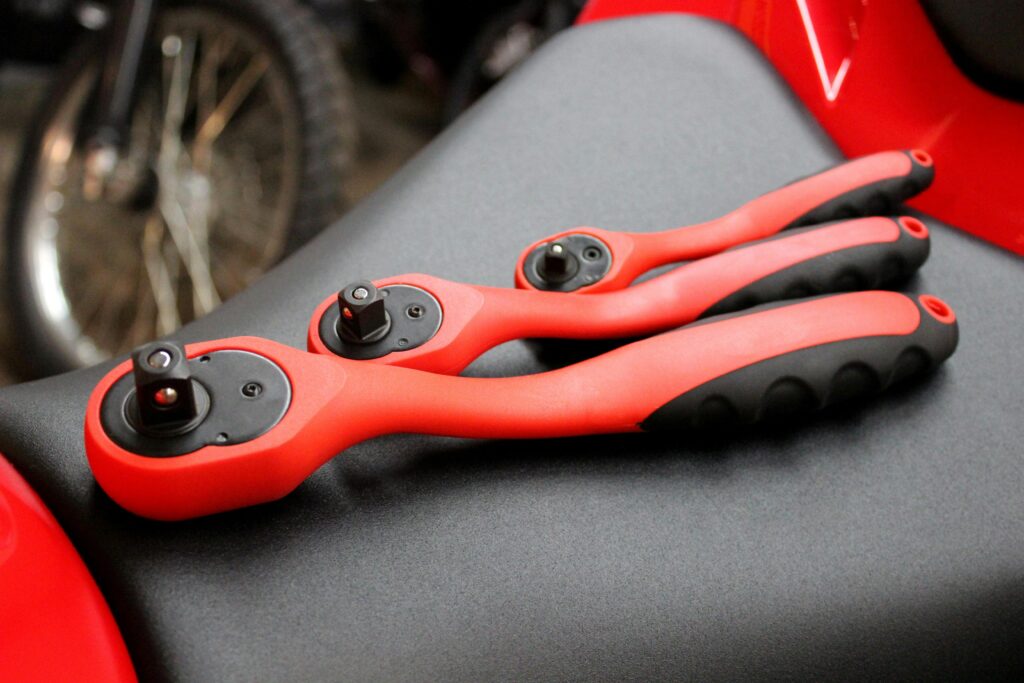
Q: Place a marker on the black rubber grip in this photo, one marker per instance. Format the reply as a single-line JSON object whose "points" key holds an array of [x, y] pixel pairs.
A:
{"points": [[808, 380], [876, 199], [879, 265]]}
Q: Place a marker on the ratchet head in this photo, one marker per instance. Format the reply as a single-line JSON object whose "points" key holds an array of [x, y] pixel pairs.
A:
{"points": [[365, 322], [566, 263]]}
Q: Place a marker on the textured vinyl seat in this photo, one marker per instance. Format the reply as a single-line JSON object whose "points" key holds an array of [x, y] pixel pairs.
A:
{"points": [[881, 542]]}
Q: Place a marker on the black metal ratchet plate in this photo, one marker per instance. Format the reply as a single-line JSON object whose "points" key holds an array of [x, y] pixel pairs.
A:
{"points": [[248, 395]]}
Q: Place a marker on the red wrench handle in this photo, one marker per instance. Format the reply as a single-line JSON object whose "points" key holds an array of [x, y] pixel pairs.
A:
{"points": [[732, 369], [874, 184], [865, 253], [860, 342]]}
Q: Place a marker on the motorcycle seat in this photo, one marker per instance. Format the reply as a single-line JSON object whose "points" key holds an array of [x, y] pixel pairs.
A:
{"points": [[883, 542]]}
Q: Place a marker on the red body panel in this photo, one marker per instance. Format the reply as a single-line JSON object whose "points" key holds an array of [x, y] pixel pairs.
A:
{"points": [[54, 624], [337, 402], [858, 64], [477, 319]]}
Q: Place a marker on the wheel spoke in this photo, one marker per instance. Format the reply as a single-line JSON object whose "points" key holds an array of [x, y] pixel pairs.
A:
{"points": [[141, 329], [210, 59], [182, 49], [164, 292], [106, 322], [92, 299], [214, 124], [204, 293], [191, 250]]}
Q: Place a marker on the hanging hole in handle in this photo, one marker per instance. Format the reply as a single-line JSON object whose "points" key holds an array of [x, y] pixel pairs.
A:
{"points": [[914, 226], [938, 308], [922, 157]]}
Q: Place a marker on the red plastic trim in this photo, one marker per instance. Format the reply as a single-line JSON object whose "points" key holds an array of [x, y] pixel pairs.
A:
{"points": [[876, 76], [54, 623]]}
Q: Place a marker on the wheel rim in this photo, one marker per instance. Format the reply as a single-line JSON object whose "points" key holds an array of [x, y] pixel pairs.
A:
{"points": [[196, 209]]}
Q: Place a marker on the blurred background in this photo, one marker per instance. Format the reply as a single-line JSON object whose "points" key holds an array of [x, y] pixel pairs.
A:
{"points": [[158, 157]]}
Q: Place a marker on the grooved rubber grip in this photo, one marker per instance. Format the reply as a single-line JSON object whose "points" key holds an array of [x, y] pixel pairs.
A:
{"points": [[887, 251], [875, 196], [811, 378]]}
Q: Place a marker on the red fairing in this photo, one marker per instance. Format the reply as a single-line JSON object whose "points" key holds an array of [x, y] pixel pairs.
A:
{"points": [[338, 402], [54, 623], [856, 64]]}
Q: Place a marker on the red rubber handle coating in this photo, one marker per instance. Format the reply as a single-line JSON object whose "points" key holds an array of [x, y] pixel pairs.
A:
{"points": [[477, 319], [863, 186], [337, 403]]}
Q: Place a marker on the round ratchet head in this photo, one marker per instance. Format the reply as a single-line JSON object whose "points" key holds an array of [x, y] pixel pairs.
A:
{"points": [[567, 263], [403, 317], [232, 397]]}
